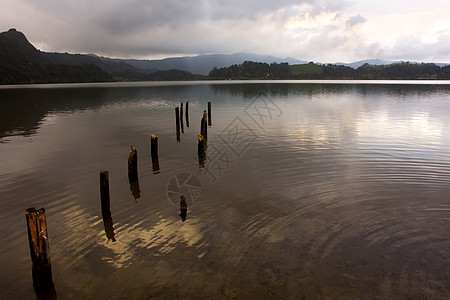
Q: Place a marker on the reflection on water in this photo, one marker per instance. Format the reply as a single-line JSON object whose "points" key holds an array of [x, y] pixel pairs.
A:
{"points": [[183, 208], [165, 237], [342, 195]]}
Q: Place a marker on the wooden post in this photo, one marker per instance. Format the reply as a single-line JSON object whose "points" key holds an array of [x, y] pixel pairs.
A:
{"points": [[181, 117], [206, 124], [155, 159], [183, 208], [201, 151], [133, 177], [209, 114], [132, 165], [154, 145], [105, 202], [177, 117], [204, 129], [40, 251], [187, 113]]}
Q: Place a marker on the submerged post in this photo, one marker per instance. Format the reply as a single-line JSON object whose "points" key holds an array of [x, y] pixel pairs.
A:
{"points": [[209, 114], [181, 117], [132, 165], [133, 174], [177, 118], [187, 113], [154, 145], [154, 151], [201, 151], [40, 251], [204, 128], [105, 203]]}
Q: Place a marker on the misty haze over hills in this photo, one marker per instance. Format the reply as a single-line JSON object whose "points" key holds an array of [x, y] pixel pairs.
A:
{"points": [[203, 64], [21, 62]]}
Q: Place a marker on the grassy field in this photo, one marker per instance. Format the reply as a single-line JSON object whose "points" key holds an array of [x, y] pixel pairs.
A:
{"points": [[305, 70]]}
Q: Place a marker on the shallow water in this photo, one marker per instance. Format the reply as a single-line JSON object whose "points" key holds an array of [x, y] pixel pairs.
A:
{"points": [[315, 190]]}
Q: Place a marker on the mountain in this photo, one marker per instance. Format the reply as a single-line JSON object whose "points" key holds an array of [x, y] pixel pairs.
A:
{"points": [[21, 62], [201, 64], [25, 50], [357, 64], [376, 62]]}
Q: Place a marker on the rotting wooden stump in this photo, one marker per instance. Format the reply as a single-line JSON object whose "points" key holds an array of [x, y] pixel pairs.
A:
{"points": [[187, 113], [154, 145], [132, 165], [209, 114], [177, 120], [133, 177], [204, 130], [106, 206], [183, 208], [205, 126], [181, 117], [201, 151], [40, 252]]}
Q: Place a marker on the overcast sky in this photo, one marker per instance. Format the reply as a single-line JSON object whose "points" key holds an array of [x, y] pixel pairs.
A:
{"points": [[313, 30]]}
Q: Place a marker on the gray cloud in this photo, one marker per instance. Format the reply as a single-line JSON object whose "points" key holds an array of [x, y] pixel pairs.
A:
{"points": [[355, 20], [411, 48], [321, 30]]}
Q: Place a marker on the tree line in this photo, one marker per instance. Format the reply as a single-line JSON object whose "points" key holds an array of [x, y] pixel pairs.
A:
{"points": [[403, 70]]}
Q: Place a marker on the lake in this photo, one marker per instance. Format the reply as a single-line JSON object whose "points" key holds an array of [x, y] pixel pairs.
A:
{"points": [[309, 189]]}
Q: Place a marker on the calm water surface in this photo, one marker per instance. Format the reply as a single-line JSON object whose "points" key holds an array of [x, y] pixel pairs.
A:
{"points": [[315, 190]]}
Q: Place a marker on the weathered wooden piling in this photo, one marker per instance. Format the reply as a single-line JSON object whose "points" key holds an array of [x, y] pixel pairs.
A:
{"points": [[133, 177], [40, 252], [204, 129], [183, 208], [177, 118], [181, 117], [187, 113], [201, 151], [105, 203], [205, 114], [209, 114], [132, 165], [154, 145]]}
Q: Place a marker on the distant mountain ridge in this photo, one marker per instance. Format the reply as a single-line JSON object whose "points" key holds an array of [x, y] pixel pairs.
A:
{"points": [[357, 64], [21, 62], [377, 62], [203, 64]]}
